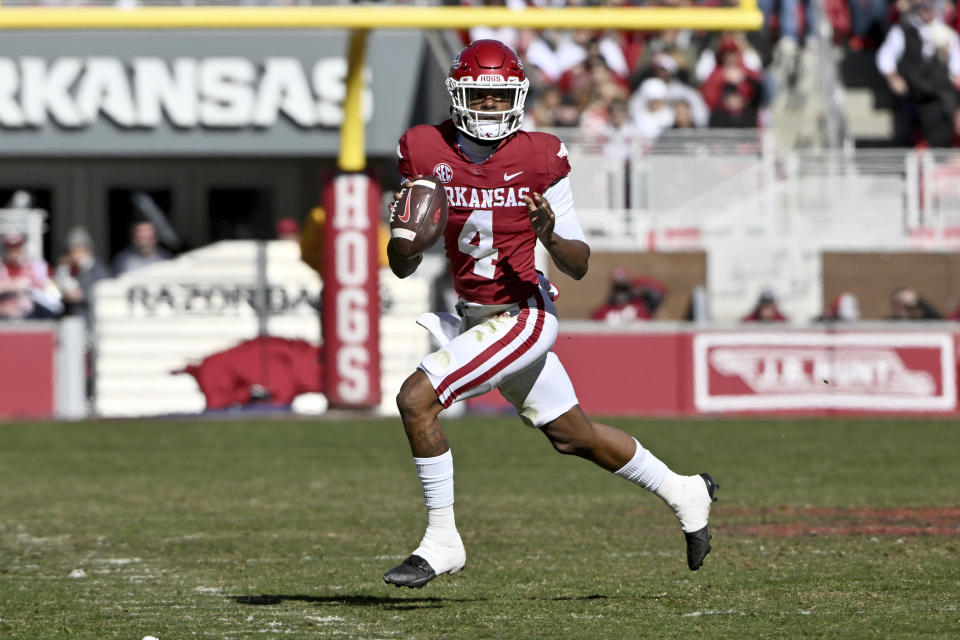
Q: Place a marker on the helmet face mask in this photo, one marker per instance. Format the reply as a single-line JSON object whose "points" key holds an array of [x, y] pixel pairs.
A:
{"points": [[487, 68]]}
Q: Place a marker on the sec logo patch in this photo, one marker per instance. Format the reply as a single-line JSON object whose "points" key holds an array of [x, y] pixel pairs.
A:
{"points": [[444, 172]]}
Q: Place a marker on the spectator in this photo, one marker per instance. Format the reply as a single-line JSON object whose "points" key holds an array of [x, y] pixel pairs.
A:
{"points": [[845, 308], [554, 53], [766, 309], [592, 80], [664, 66], [578, 82], [651, 112], [76, 273], [676, 44], [620, 135], [568, 113], [603, 91], [905, 304], [682, 115], [26, 289], [920, 59], [789, 26], [608, 50], [543, 115], [732, 112], [732, 72], [288, 229], [651, 292], [622, 305], [867, 17], [727, 43], [143, 249]]}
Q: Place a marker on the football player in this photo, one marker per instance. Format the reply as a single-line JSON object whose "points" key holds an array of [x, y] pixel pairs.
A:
{"points": [[506, 189]]}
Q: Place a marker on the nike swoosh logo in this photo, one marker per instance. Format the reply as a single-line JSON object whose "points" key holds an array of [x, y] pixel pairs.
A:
{"points": [[507, 177], [405, 217]]}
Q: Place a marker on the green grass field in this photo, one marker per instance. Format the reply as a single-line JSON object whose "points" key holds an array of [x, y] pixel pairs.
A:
{"points": [[825, 529]]}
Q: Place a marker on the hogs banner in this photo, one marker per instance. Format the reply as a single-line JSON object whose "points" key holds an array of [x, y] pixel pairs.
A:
{"points": [[351, 299]]}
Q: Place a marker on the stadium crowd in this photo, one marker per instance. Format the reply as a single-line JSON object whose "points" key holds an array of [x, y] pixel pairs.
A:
{"points": [[636, 298], [639, 84], [636, 84], [32, 289]]}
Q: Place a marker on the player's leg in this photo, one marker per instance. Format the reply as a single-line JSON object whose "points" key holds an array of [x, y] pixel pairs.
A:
{"points": [[544, 397], [690, 497], [419, 408], [473, 362], [441, 549]]}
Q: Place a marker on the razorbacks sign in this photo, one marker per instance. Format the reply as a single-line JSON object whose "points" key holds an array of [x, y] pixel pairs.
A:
{"points": [[218, 299], [351, 299], [72, 92], [877, 371]]}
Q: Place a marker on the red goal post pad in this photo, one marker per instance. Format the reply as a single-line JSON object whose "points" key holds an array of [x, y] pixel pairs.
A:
{"points": [[351, 296]]}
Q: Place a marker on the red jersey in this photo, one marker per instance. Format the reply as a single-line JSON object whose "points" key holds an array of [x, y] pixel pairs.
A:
{"points": [[488, 239]]}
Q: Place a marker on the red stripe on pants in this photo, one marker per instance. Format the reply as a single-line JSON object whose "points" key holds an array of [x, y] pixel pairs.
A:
{"points": [[527, 344]]}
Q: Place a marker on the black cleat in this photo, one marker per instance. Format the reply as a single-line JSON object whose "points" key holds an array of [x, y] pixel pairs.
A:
{"points": [[414, 572], [698, 542]]}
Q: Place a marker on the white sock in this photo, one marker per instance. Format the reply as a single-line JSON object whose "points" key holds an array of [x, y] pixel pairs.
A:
{"points": [[441, 546], [686, 495], [644, 469], [436, 478]]}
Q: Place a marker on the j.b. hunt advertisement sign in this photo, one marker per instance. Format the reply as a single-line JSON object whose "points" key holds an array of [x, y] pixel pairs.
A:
{"points": [[883, 371], [197, 92]]}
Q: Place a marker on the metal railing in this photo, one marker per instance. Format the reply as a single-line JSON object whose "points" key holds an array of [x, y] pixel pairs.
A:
{"points": [[689, 186], [763, 216]]}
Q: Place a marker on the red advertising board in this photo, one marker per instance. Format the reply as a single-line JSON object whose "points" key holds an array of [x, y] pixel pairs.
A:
{"points": [[686, 371], [627, 374], [350, 296], [27, 372]]}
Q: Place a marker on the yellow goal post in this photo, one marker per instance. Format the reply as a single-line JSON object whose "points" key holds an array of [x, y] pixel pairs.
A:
{"points": [[360, 19]]}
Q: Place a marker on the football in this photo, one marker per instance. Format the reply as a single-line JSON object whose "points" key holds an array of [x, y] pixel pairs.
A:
{"points": [[419, 217]]}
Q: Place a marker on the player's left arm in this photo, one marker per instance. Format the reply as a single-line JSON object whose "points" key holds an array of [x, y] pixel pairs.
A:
{"points": [[559, 230]]}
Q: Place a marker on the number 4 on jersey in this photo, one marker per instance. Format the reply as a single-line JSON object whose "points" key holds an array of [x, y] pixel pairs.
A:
{"points": [[476, 240]]}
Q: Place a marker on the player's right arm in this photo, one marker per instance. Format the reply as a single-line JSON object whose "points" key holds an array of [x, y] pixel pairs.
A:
{"points": [[402, 267]]}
